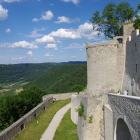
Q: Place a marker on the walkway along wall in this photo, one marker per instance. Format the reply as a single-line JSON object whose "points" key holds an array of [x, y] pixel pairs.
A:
{"points": [[20, 124]]}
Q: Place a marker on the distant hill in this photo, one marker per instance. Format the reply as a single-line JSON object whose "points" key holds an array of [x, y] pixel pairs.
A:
{"points": [[75, 62], [61, 78], [24, 72]]}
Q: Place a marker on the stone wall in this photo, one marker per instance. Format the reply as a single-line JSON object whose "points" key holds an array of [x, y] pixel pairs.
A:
{"points": [[19, 125], [105, 66], [59, 96], [132, 72], [75, 103], [108, 122], [126, 111]]}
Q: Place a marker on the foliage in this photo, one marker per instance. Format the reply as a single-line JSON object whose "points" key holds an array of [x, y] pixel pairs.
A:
{"points": [[137, 22], [13, 107], [23, 72], [77, 88], [80, 110], [66, 130], [90, 119], [35, 130], [112, 18], [61, 78]]}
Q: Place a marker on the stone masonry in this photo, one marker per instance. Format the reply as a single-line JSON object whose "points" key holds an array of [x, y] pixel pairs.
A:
{"points": [[111, 67]]}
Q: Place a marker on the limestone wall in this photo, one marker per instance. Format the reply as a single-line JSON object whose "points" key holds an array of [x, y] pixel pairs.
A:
{"points": [[108, 122], [127, 109], [19, 125], [75, 103], [57, 97], [105, 66], [132, 73]]}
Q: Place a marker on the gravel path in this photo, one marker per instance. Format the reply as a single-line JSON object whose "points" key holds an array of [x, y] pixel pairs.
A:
{"points": [[50, 131]]}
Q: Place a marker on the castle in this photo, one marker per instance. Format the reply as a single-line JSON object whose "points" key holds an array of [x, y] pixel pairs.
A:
{"points": [[111, 67]]}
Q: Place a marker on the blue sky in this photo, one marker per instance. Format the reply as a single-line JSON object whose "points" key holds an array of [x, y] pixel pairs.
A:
{"points": [[36, 31]]}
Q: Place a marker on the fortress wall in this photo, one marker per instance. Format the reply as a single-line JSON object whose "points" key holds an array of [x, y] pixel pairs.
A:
{"points": [[93, 107], [132, 73], [108, 122], [75, 103], [62, 96], [20, 124], [105, 66], [128, 108]]}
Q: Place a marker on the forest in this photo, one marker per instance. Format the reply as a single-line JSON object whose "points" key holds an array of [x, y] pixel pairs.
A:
{"points": [[42, 79]]}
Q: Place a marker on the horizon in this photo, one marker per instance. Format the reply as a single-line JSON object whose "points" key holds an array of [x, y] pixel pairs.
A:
{"points": [[38, 31]]}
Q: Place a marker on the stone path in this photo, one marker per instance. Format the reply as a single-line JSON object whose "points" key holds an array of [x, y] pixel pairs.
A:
{"points": [[50, 131]]}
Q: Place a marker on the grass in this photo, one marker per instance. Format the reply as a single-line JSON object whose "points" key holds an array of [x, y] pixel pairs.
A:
{"points": [[67, 129], [37, 127]]}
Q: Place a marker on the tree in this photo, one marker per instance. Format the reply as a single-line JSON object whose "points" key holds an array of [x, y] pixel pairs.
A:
{"points": [[112, 18], [77, 88], [137, 20]]}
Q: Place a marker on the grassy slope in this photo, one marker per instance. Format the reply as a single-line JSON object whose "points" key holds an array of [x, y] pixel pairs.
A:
{"points": [[66, 130], [35, 130]]}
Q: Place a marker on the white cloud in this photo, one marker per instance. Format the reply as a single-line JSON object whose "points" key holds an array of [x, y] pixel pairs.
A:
{"points": [[8, 30], [74, 1], [74, 46], [17, 58], [83, 31], [53, 46], [73, 56], [46, 39], [66, 20], [51, 4], [29, 53], [35, 34], [86, 30], [35, 19], [48, 15], [22, 44], [65, 33], [3, 13], [9, 1], [48, 54]]}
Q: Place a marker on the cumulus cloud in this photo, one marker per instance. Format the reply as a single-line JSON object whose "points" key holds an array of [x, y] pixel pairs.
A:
{"points": [[48, 54], [46, 39], [23, 44], [47, 15], [35, 19], [53, 46], [9, 1], [3, 13], [35, 34], [74, 46], [74, 1], [29, 53], [73, 56], [17, 58], [65, 33], [66, 20], [86, 30], [8, 30], [83, 31]]}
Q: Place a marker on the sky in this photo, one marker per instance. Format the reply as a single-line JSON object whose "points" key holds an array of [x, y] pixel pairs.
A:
{"points": [[38, 31]]}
